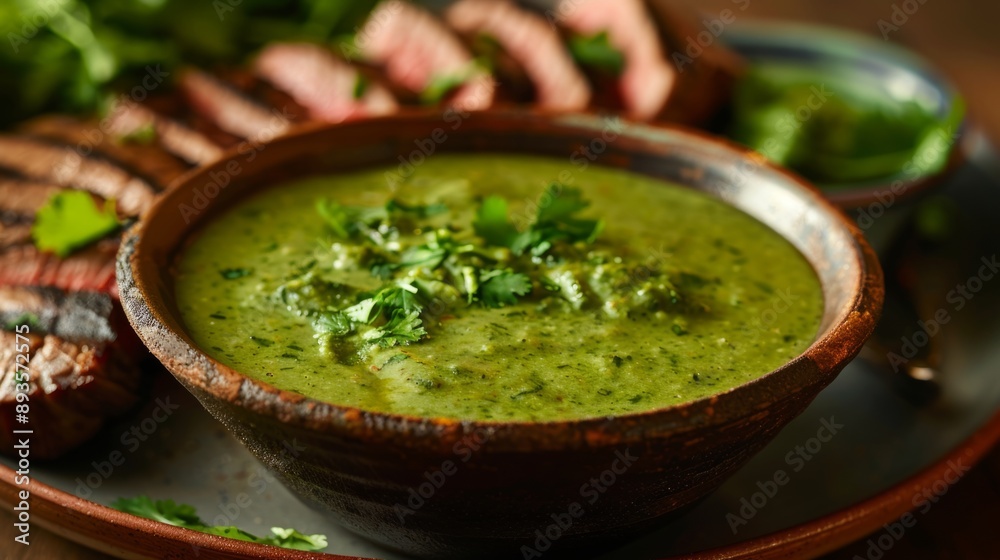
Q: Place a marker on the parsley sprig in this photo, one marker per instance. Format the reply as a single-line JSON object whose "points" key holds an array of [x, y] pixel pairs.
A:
{"points": [[183, 515]]}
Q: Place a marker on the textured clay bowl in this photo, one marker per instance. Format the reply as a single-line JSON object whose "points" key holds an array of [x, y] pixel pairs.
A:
{"points": [[889, 70], [506, 484]]}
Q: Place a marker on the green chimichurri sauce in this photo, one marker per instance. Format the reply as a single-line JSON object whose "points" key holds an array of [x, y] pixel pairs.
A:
{"points": [[484, 288]]}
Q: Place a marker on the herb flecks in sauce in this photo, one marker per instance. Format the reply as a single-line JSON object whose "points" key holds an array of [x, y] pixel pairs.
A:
{"points": [[481, 290]]}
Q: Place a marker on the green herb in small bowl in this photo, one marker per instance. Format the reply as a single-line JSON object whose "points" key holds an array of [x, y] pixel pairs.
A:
{"points": [[854, 115]]}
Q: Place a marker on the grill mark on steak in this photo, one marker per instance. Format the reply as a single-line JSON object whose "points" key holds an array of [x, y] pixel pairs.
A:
{"points": [[322, 83], [230, 109], [186, 143], [74, 316], [145, 161], [59, 163]]}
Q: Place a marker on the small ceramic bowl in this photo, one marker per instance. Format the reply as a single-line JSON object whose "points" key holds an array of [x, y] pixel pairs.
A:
{"points": [[890, 71], [380, 474]]}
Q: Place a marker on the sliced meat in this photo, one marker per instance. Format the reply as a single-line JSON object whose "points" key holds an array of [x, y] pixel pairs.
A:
{"points": [[414, 48], [648, 77], [12, 234], [91, 268], [186, 143], [322, 83], [21, 198], [230, 109], [176, 108], [63, 165], [147, 162], [532, 43], [73, 384], [255, 87]]}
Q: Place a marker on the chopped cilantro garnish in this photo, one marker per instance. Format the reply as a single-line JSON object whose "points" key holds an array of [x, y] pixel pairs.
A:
{"points": [[71, 220], [183, 515], [449, 268]]}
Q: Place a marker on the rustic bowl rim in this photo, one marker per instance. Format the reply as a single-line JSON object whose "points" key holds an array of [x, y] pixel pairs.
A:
{"points": [[828, 353]]}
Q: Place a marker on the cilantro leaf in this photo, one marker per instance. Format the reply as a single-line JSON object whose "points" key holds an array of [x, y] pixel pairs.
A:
{"points": [[492, 224], [403, 327], [399, 306], [555, 221], [498, 288], [183, 515], [71, 220], [334, 323]]}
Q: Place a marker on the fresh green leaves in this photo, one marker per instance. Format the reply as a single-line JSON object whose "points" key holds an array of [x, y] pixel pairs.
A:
{"points": [[492, 223], [182, 515], [388, 317], [348, 221], [498, 288], [450, 267], [555, 221], [71, 220], [78, 51]]}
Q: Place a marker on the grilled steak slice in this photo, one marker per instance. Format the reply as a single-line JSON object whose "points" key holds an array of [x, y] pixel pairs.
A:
{"points": [[21, 198], [61, 164], [92, 268], [531, 43], [648, 77], [148, 162], [230, 109], [189, 145], [325, 85], [414, 49], [76, 379]]}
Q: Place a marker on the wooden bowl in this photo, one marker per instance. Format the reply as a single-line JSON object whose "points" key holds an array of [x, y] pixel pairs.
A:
{"points": [[445, 488]]}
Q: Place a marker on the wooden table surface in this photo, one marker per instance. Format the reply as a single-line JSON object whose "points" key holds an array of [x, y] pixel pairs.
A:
{"points": [[961, 38]]}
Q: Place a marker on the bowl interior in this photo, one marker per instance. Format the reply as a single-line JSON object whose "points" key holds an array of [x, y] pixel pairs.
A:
{"points": [[845, 265]]}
